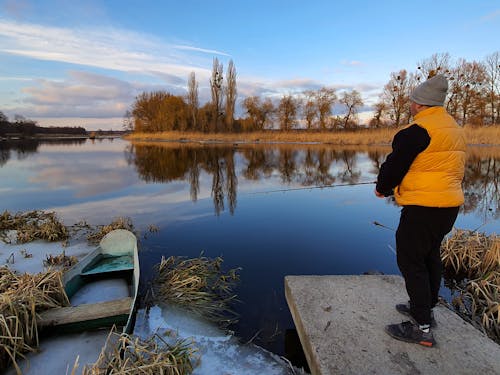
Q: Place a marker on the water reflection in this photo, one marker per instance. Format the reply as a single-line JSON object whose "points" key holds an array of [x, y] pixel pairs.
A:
{"points": [[230, 166], [23, 148], [481, 188], [305, 166]]}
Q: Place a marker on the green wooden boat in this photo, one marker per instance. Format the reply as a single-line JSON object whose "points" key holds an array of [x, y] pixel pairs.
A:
{"points": [[102, 288]]}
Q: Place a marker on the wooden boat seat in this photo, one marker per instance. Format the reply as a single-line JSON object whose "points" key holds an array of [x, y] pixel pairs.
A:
{"points": [[85, 312]]}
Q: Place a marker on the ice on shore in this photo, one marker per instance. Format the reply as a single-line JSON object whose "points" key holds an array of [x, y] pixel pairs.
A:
{"points": [[219, 353]]}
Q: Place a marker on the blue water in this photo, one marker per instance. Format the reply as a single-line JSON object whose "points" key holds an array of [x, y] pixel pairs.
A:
{"points": [[217, 200]]}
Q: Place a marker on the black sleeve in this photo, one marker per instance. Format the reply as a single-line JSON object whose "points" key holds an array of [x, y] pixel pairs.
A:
{"points": [[406, 145]]}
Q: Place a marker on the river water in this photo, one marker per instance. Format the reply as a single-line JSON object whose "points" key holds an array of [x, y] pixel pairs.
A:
{"points": [[257, 206]]}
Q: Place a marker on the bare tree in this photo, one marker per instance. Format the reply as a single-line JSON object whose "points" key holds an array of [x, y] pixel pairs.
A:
{"points": [[492, 66], [380, 110], [216, 91], [251, 105], [467, 83], [231, 94], [128, 121], [259, 113], [287, 112], [325, 98], [310, 112], [352, 100], [159, 111], [438, 63], [193, 101], [396, 96]]}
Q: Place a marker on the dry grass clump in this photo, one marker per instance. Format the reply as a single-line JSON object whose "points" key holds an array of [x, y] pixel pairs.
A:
{"points": [[101, 230], [477, 256], [199, 285], [21, 298], [33, 225], [472, 253], [124, 354], [60, 260], [484, 295]]}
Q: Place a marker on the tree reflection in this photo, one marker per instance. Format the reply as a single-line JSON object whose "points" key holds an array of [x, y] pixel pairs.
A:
{"points": [[349, 174], [24, 148], [481, 186], [261, 162], [305, 166], [287, 165], [481, 180], [159, 163]]}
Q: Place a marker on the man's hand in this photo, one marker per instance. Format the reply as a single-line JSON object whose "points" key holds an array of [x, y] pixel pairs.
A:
{"points": [[379, 195]]}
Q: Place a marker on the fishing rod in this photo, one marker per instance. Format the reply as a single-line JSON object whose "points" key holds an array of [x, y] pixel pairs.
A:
{"points": [[313, 187]]}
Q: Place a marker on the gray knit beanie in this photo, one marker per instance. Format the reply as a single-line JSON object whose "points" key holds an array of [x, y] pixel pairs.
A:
{"points": [[431, 92]]}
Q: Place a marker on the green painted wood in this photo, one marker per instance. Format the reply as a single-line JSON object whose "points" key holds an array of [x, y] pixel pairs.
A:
{"points": [[116, 257], [104, 264]]}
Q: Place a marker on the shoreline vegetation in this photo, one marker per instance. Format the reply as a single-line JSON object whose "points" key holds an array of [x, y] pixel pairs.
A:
{"points": [[484, 136]]}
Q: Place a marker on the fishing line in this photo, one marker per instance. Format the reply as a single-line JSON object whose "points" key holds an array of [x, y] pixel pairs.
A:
{"points": [[392, 249], [312, 187]]}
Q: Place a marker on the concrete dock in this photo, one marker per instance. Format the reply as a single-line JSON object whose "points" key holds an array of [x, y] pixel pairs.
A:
{"points": [[340, 321]]}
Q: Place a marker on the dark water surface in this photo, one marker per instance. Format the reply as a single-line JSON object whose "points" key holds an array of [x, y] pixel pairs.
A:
{"points": [[223, 200]]}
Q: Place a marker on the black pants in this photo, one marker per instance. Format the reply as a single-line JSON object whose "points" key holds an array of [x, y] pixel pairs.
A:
{"points": [[418, 241]]}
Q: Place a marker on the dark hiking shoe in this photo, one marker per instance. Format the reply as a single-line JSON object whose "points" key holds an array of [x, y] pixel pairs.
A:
{"points": [[409, 332], [404, 308]]}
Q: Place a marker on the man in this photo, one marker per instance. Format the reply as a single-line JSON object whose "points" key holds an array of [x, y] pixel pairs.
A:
{"points": [[424, 171]]}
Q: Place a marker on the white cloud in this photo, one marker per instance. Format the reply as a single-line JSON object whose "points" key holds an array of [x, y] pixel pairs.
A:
{"points": [[82, 94], [106, 48], [86, 96]]}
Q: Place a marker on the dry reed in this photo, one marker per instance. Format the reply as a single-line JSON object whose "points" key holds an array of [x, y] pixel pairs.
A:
{"points": [[21, 298], [482, 135], [489, 135], [471, 253], [60, 260], [358, 137], [477, 256], [199, 285], [124, 354], [484, 295], [101, 230], [33, 225]]}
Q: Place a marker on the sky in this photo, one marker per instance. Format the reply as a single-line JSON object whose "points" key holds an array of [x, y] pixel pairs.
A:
{"points": [[82, 63]]}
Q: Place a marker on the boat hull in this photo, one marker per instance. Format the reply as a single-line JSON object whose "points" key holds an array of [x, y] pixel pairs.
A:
{"points": [[115, 258]]}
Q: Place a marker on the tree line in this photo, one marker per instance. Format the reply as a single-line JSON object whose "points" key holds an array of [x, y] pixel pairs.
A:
{"points": [[162, 111], [25, 127], [474, 98], [473, 94]]}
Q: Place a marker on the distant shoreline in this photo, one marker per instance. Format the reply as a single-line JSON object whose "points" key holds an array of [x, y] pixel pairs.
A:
{"points": [[54, 136]]}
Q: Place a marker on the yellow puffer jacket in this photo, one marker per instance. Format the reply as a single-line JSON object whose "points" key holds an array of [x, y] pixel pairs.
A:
{"points": [[435, 176]]}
